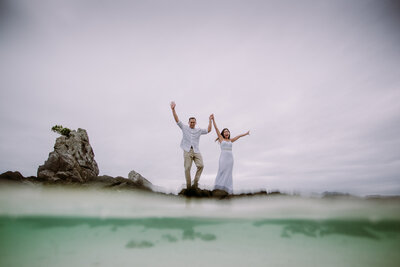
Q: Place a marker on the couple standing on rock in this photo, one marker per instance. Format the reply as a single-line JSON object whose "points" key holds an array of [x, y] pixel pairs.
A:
{"points": [[190, 145]]}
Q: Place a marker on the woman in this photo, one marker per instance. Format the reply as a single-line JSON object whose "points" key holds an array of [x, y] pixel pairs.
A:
{"points": [[223, 181]]}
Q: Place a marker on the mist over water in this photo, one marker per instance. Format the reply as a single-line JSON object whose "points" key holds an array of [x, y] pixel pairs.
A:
{"points": [[75, 202]]}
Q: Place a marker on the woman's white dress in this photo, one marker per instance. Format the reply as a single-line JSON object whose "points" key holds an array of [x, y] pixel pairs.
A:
{"points": [[223, 181]]}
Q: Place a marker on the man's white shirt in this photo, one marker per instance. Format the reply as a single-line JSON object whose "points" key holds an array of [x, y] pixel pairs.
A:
{"points": [[191, 137]]}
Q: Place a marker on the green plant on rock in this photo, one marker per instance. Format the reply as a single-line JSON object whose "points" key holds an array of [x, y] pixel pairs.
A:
{"points": [[61, 130]]}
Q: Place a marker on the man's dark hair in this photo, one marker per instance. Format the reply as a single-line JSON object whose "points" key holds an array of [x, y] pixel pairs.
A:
{"points": [[192, 118]]}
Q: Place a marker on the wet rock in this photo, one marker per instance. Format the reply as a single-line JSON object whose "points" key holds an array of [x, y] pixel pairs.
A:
{"points": [[202, 193], [219, 193], [118, 182], [12, 176], [139, 179]]}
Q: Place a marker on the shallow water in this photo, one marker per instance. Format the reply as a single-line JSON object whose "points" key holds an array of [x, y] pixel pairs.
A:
{"points": [[54, 227]]}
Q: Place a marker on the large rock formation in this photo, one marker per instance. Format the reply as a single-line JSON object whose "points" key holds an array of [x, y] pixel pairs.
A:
{"points": [[71, 160]]}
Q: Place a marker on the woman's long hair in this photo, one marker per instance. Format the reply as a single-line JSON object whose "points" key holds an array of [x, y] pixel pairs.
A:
{"points": [[222, 133]]}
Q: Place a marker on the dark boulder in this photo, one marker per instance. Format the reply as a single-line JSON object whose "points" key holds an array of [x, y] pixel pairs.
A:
{"points": [[12, 176]]}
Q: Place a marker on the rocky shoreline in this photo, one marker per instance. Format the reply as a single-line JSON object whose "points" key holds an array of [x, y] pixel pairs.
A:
{"points": [[99, 182], [119, 183]]}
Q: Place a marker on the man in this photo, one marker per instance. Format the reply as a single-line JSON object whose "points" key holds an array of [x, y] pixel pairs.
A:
{"points": [[190, 146]]}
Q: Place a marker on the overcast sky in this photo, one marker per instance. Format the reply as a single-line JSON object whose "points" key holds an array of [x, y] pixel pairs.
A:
{"points": [[316, 82]]}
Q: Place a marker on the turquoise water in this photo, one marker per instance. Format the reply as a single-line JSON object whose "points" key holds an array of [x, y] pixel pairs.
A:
{"points": [[53, 227]]}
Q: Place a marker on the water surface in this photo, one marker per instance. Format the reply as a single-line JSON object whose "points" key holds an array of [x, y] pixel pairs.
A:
{"points": [[80, 227]]}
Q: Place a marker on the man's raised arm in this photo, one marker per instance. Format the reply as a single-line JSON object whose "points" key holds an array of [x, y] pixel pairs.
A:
{"points": [[174, 112], [209, 122]]}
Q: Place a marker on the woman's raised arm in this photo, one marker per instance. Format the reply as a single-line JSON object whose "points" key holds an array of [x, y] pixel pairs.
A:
{"points": [[240, 135], [220, 138]]}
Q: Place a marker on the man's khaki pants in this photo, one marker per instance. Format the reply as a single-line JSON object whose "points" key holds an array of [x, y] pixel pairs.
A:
{"points": [[189, 157]]}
